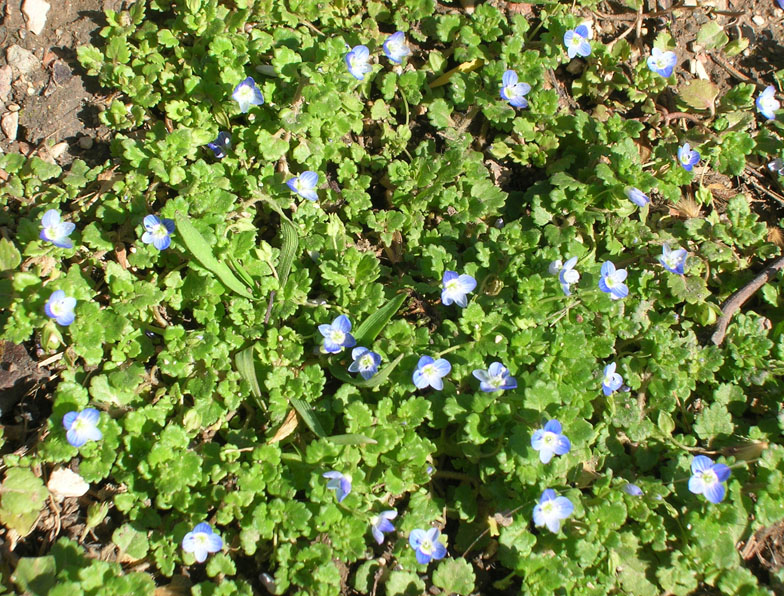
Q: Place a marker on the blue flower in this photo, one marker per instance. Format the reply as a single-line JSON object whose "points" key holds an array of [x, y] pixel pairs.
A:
{"points": [[611, 281], [55, 231], [549, 441], [555, 267], [551, 510], [514, 92], [576, 41], [632, 489], [60, 308], [381, 523], [708, 478], [305, 185], [340, 483], [202, 541], [495, 378], [247, 94], [220, 145], [157, 231], [781, 3], [777, 165], [637, 197], [612, 381], [357, 62], [673, 260], [662, 63], [767, 104], [395, 48], [82, 426], [337, 336], [429, 372], [365, 362], [687, 157], [568, 275], [426, 545], [456, 287]]}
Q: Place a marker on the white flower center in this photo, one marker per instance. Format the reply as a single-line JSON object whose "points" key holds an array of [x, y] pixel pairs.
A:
{"points": [[426, 546], [160, 231], [577, 40], [547, 508], [337, 336], [610, 282], [245, 94], [57, 308], [366, 362], [672, 260], [548, 438], [429, 371], [709, 477]]}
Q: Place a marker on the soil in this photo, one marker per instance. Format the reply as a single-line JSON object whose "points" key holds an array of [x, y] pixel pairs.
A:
{"points": [[58, 107], [56, 103]]}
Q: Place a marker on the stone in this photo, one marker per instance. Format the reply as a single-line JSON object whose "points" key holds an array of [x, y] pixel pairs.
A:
{"points": [[5, 82], [34, 12], [24, 61], [10, 124], [64, 483], [85, 142]]}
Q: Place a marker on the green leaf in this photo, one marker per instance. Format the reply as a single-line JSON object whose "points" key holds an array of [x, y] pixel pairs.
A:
{"points": [[699, 94], [351, 439], [455, 576], [404, 583], [308, 415], [711, 36], [199, 248], [23, 496], [131, 541], [372, 326], [10, 257], [35, 575]]}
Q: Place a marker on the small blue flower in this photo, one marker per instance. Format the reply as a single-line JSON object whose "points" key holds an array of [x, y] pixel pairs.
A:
{"points": [[337, 336], [708, 478], [612, 381], [495, 378], [551, 510], [632, 489], [305, 185], [55, 231], [611, 281], [82, 426], [381, 523], [157, 231], [202, 541], [340, 483], [555, 267], [60, 308], [220, 145], [637, 197], [366, 363], [247, 94], [426, 545], [395, 47], [568, 275], [357, 62], [513, 91], [662, 63], [767, 104], [673, 260], [780, 3], [688, 157], [429, 372], [576, 41], [549, 441], [456, 287], [777, 165]]}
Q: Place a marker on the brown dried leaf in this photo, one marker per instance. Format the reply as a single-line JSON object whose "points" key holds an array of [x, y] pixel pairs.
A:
{"points": [[288, 427]]}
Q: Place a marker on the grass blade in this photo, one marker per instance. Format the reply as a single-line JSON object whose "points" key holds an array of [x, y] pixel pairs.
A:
{"points": [[202, 251], [372, 326], [308, 415]]}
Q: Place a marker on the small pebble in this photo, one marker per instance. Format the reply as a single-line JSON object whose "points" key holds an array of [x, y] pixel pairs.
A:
{"points": [[86, 142], [10, 125], [758, 20], [57, 151]]}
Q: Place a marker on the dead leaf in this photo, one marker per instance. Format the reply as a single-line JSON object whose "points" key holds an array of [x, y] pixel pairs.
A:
{"points": [[699, 94], [288, 426]]}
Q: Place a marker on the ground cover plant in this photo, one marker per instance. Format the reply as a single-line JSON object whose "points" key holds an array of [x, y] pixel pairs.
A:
{"points": [[397, 297]]}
